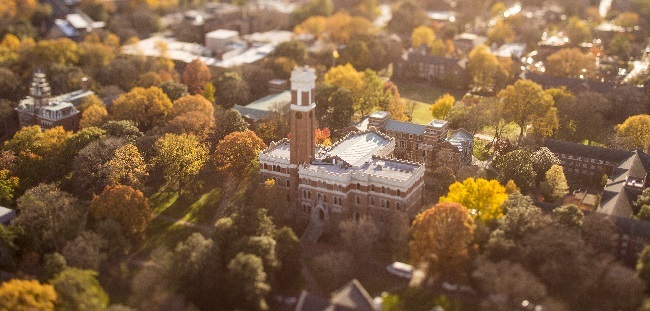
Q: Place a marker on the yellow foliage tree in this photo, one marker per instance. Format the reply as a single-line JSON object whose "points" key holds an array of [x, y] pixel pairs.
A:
{"points": [[237, 153], [482, 197], [635, 132], [95, 115], [145, 107], [422, 35], [345, 76], [191, 103], [181, 157], [501, 33], [26, 295], [441, 108], [443, 239], [571, 63]]}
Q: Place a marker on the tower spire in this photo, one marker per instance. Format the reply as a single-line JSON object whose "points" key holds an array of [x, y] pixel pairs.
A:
{"points": [[40, 90], [303, 119]]}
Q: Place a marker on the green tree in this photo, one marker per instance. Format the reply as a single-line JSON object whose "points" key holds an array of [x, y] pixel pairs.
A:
{"points": [[89, 166], [335, 107], [86, 251], [643, 266], [294, 50], [443, 238], [634, 132], [247, 282], [443, 105], [501, 33], [26, 295], [180, 157], [406, 17], [578, 31], [49, 217], [237, 153], [231, 90], [510, 281], [145, 107], [554, 185], [569, 215], [524, 103], [517, 166], [228, 121], [8, 185], [481, 197], [174, 90], [123, 129], [79, 290], [485, 70], [288, 277]]}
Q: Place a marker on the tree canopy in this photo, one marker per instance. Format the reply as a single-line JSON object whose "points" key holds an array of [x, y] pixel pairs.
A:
{"points": [[481, 197], [127, 206], [237, 153], [25, 295]]}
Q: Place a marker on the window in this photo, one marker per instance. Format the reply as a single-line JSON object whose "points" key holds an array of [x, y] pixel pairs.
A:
{"points": [[399, 193], [358, 186], [265, 165], [319, 197], [410, 136], [309, 195], [397, 206], [383, 189], [288, 183], [358, 200], [372, 201], [372, 187], [387, 204], [325, 198]]}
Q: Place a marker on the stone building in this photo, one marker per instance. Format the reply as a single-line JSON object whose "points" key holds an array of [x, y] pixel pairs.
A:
{"points": [[357, 177], [40, 108]]}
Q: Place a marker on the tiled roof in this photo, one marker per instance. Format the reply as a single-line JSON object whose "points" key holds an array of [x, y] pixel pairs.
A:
{"points": [[617, 198], [404, 127]]}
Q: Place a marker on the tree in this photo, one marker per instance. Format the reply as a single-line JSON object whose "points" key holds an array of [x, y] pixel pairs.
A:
{"points": [[87, 251], [372, 95], [313, 8], [555, 186], [127, 206], [406, 17], [422, 35], [335, 107], [571, 63], [25, 295], [8, 185], [231, 90], [191, 103], [575, 124], [197, 123], [89, 166], [359, 238], [322, 137], [228, 121], [578, 31], [481, 197], [443, 238], [335, 268], [509, 283], [634, 132], [643, 266], [288, 277], [79, 290], [247, 282], [195, 75], [542, 160], [501, 33], [49, 216], [174, 90], [396, 106], [180, 157], [294, 50], [516, 166], [94, 115], [123, 129], [570, 216], [237, 153], [627, 20], [486, 71], [441, 108], [345, 76], [146, 107], [524, 103], [127, 167]]}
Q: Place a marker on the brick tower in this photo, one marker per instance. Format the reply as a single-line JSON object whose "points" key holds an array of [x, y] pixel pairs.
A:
{"points": [[303, 123]]}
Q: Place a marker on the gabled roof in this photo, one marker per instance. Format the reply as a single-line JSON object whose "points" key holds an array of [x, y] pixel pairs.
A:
{"points": [[618, 197], [404, 127], [605, 154], [350, 297]]}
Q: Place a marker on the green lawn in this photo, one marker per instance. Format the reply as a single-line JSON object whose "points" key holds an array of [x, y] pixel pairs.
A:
{"points": [[199, 209], [162, 232], [422, 112], [424, 92]]}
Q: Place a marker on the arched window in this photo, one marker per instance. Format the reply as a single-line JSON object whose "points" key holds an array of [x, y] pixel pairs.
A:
{"points": [[383, 189], [387, 204], [372, 187], [358, 186], [319, 197], [399, 193], [309, 195], [325, 198]]}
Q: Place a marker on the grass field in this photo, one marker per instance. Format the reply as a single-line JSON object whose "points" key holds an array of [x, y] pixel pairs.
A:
{"points": [[423, 95]]}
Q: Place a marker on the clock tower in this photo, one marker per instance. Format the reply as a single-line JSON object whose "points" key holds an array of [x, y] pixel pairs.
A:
{"points": [[303, 119]]}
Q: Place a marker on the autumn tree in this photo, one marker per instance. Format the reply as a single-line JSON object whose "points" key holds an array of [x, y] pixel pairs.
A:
{"points": [[294, 50], [578, 31], [422, 35], [501, 33], [180, 157], [524, 103], [127, 167], [195, 75], [145, 107], [197, 123], [322, 137], [443, 239], [237, 153], [395, 104], [643, 266], [25, 295], [486, 71], [571, 63], [634, 132], [173, 90], [481, 197], [313, 8], [441, 108], [127, 206], [49, 217], [8, 185], [554, 185], [510, 281], [89, 166], [191, 103], [86, 251], [79, 290], [94, 115], [627, 20]]}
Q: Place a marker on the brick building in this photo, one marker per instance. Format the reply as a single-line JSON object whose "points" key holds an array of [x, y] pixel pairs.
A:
{"points": [[357, 177], [40, 108]]}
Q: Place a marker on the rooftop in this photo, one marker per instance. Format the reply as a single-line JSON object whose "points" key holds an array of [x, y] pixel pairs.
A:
{"points": [[222, 34], [379, 114], [359, 148], [405, 127]]}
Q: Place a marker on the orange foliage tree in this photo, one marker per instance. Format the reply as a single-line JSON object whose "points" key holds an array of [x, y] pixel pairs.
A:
{"points": [[191, 103], [24, 295], [322, 137], [145, 107], [237, 153], [195, 76], [127, 206], [443, 239]]}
